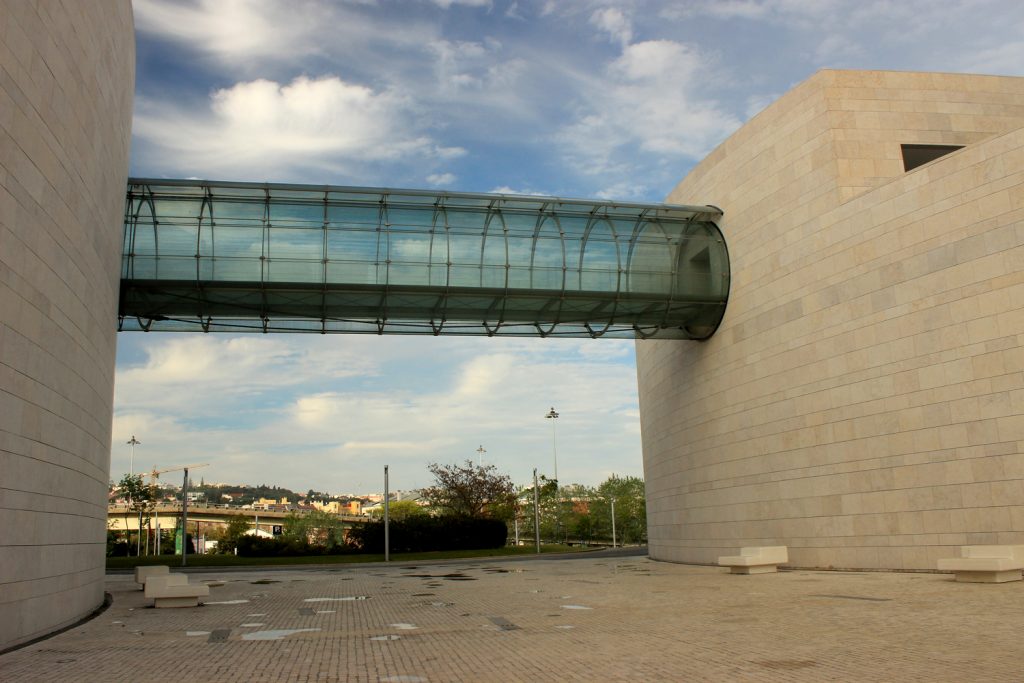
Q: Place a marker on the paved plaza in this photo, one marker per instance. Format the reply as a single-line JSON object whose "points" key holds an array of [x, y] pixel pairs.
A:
{"points": [[592, 618]]}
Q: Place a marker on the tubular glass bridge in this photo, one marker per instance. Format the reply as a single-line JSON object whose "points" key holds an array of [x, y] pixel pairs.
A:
{"points": [[248, 257]]}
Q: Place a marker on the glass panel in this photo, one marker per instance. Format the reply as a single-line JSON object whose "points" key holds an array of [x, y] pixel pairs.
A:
{"points": [[145, 240], [410, 257], [465, 275], [355, 273], [547, 256], [353, 216], [178, 210], [467, 221], [650, 267], [410, 219], [296, 243], [599, 271], [352, 245], [177, 268], [236, 269], [237, 242], [296, 215], [519, 251], [520, 224], [288, 270], [465, 248], [495, 255]]}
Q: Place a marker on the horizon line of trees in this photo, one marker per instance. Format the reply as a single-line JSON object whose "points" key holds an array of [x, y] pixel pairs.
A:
{"points": [[574, 514]]}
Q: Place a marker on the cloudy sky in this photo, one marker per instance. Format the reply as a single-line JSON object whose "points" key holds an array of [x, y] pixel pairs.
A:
{"points": [[579, 98]]}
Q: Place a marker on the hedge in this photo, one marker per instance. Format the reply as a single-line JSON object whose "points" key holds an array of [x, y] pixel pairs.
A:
{"points": [[423, 533]]}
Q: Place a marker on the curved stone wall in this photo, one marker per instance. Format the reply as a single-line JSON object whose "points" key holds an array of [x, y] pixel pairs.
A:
{"points": [[66, 81], [863, 400]]}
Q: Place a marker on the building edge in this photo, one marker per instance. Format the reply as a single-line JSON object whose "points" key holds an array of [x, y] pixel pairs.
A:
{"points": [[65, 129]]}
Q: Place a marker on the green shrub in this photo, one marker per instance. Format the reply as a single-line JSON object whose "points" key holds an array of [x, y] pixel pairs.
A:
{"points": [[254, 546], [424, 534]]}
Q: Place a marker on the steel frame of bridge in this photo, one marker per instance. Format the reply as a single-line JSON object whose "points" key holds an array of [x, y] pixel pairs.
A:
{"points": [[259, 257]]}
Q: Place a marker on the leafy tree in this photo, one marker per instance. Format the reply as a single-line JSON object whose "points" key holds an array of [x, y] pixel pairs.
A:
{"points": [[227, 535], [400, 510], [547, 498], [316, 527], [630, 508], [141, 499], [470, 490]]}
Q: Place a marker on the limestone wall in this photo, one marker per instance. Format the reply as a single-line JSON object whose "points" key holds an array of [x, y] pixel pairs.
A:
{"points": [[863, 400], [66, 82]]}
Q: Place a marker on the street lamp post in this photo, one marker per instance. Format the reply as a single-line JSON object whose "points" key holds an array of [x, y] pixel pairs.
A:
{"points": [[387, 517], [184, 519], [480, 456], [133, 443], [552, 415], [613, 522], [536, 513], [131, 471]]}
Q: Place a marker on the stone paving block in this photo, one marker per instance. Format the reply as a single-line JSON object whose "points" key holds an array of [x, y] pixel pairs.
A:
{"points": [[583, 619]]}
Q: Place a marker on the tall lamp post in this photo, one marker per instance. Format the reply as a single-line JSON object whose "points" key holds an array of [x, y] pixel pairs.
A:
{"points": [[480, 456], [131, 470], [552, 415], [133, 443]]}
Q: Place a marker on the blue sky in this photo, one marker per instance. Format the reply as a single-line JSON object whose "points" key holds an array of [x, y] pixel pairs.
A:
{"points": [[581, 99]]}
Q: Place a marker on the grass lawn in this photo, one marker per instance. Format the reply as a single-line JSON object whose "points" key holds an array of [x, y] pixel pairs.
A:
{"points": [[235, 561]]}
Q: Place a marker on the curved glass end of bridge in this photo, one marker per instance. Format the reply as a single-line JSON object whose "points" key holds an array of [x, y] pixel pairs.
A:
{"points": [[248, 257]]}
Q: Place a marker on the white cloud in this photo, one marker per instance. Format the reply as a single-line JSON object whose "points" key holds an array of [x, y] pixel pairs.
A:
{"points": [[448, 4], [616, 24], [235, 29], [623, 191], [261, 36], [505, 189], [262, 129], [441, 179], [650, 104]]}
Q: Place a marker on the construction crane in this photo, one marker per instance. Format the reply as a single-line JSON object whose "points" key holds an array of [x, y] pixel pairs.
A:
{"points": [[155, 473]]}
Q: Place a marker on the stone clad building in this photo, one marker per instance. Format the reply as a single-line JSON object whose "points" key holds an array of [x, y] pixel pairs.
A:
{"points": [[67, 72], [862, 401]]}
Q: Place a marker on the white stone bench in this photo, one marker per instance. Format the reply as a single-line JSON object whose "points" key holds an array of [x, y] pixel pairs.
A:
{"points": [[986, 563], [756, 560], [174, 590], [143, 573]]}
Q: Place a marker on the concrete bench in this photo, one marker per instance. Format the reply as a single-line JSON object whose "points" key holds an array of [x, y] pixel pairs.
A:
{"points": [[142, 573], [986, 563], [756, 560], [174, 590]]}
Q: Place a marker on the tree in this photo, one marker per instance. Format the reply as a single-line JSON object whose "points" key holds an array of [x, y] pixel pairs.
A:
{"points": [[141, 499], [630, 508], [227, 535], [470, 490], [547, 497], [315, 527], [400, 510]]}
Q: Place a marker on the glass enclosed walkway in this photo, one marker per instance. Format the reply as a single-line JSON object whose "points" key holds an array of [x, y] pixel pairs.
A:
{"points": [[242, 257]]}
